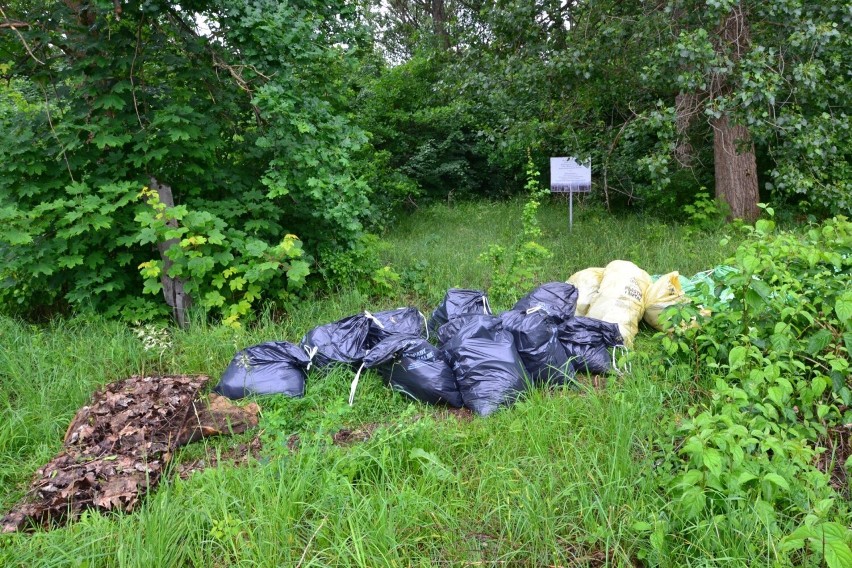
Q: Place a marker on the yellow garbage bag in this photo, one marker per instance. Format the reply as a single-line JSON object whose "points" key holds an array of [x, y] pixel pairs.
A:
{"points": [[621, 298], [661, 294], [587, 283]]}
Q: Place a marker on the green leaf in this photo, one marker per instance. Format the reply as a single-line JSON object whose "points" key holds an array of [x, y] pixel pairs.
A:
{"points": [[764, 226], [751, 264], [777, 395], [109, 101], [843, 308], [692, 501], [689, 479], [796, 539], [106, 140], [762, 288], [780, 342], [152, 286], [837, 554], [256, 248], [214, 299], [819, 384], [431, 463], [297, 272], [776, 479], [70, 261], [16, 237], [829, 539], [754, 299], [745, 477], [833, 531], [819, 341], [712, 459], [736, 356]]}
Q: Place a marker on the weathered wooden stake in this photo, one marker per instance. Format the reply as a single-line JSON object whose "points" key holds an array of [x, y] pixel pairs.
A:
{"points": [[173, 288]]}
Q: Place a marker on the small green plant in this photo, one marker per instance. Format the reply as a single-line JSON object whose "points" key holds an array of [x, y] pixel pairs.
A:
{"points": [[227, 532], [156, 341], [360, 267], [706, 213], [384, 282], [515, 269], [414, 278]]}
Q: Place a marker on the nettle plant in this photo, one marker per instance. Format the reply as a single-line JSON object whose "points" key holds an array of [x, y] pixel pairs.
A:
{"points": [[514, 270], [778, 354]]}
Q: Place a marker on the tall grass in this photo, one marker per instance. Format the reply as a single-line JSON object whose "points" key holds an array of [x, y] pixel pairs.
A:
{"points": [[559, 480], [450, 240]]}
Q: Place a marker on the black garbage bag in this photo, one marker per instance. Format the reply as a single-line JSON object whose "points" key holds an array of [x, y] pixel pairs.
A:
{"points": [[558, 298], [587, 342], [401, 321], [452, 327], [343, 341], [457, 302], [275, 367], [536, 338], [487, 366], [413, 366]]}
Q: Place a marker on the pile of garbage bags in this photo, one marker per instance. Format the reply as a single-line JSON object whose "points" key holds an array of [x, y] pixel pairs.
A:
{"points": [[475, 359]]}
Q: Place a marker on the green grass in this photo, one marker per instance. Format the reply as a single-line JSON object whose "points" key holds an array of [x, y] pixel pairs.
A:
{"points": [[450, 240], [558, 480]]}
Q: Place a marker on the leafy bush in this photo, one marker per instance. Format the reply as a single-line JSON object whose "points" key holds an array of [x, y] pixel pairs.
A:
{"points": [[249, 125], [428, 134], [777, 356], [227, 269]]}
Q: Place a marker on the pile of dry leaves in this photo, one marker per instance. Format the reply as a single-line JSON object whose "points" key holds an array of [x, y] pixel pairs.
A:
{"points": [[116, 448]]}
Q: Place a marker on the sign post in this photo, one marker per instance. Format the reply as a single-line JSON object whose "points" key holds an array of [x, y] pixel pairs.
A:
{"points": [[566, 175]]}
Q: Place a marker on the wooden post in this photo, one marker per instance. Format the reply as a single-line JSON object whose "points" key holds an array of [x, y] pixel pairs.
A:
{"points": [[173, 288]]}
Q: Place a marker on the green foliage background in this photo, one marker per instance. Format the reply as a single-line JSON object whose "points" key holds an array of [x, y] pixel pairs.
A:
{"points": [[289, 130]]}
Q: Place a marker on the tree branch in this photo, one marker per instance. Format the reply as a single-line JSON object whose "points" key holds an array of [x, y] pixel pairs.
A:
{"points": [[234, 70], [14, 27]]}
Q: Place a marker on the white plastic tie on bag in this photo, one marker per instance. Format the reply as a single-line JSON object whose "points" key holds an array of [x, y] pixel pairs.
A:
{"points": [[621, 350], [311, 351], [373, 319], [355, 385], [425, 324]]}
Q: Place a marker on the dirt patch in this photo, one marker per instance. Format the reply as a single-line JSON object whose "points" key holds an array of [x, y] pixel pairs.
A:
{"points": [[236, 456], [460, 414], [584, 555], [592, 382], [116, 448], [293, 443], [591, 558], [347, 437], [838, 448]]}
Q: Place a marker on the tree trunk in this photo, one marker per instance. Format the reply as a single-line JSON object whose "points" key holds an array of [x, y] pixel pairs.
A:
{"points": [[173, 288], [733, 149], [735, 169], [439, 23], [687, 105]]}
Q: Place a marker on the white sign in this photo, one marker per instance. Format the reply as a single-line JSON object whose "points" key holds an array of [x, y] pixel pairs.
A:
{"points": [[566, 175]]}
